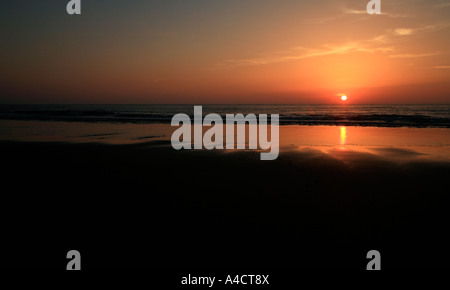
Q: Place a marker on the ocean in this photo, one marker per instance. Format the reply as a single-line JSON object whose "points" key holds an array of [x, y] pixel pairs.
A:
{"points": [[419, 116]]}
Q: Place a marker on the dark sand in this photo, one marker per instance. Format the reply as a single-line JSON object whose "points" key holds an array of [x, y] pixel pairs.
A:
{"points": [[146, 209]]}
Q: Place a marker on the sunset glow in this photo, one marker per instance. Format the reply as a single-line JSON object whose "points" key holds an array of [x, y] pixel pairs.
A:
{"points": [[344, 98], [226, 52]]}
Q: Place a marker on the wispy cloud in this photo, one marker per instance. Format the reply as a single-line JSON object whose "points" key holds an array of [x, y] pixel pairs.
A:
{"points": [[346, 12], [442, 67], [353, 11], [364, 12], [323, 20], [382, 43], [412, 55], [423, 29], [298, 53], [433, 27], [403, 31]]}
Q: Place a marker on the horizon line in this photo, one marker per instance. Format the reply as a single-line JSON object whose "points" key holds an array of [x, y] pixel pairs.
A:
{"points": [[212, 104]]}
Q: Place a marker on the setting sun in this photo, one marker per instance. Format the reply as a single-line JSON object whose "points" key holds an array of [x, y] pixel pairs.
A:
{"points": [[344, 98]]}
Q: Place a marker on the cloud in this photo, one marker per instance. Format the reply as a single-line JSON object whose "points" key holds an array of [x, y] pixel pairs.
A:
{"points": [[323, 20], [379, 43], [412, 55], [364, 12], [403, 31], [433, 27], [442, 67], [423, 29], [345, 12], [298, 53], [380, 38], [353, 11]]}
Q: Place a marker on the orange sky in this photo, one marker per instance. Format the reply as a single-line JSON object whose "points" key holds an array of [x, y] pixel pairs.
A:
{"points": [[226, 52]]}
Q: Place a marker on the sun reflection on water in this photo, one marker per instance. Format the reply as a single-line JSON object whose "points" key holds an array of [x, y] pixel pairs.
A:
{"points": [[343, 136]]}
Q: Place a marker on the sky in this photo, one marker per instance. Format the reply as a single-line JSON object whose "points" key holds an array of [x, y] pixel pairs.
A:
{"points": [[225, 51]]}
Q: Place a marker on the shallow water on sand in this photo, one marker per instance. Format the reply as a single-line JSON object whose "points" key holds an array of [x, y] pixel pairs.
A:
{"points": [[342, 142]]}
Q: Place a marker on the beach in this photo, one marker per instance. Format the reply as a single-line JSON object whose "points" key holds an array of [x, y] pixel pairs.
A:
{"points": [[225, 144], [333, 194]]}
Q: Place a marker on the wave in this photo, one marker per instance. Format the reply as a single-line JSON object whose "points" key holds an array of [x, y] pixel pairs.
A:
{"points": [[380, 120], [293, 117]]}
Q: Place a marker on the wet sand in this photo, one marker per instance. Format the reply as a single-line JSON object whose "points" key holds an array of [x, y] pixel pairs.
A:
{"points": [[146, 208]]}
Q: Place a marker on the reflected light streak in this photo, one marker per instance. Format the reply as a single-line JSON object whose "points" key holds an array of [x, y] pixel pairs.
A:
{"points": [[343, 136]]}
